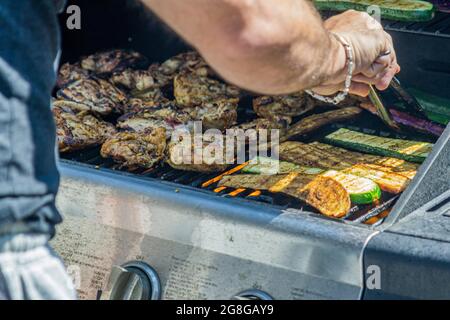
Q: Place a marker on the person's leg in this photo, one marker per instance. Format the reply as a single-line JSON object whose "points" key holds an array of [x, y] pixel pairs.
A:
{"points": [[30, 270]]}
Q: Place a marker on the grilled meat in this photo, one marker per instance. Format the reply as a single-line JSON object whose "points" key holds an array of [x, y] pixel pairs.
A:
{"points": [[136, 149], [138, 80], [220, 114], [113, 61], [93, 94], [315, 121], [79, 130], [192, 90], [323, 193], [69, 73], [147, 119], [282, 108], [183, 154], [136, 104]]}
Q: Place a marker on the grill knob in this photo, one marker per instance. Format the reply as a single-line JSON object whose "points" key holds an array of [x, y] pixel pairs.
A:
{"points": [[252, 294], [134, 280]]}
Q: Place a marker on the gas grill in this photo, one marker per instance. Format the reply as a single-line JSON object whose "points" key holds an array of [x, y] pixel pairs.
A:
{"points": [[183, 237]]}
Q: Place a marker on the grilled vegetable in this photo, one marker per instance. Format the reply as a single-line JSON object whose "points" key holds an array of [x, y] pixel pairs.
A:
{"points": [[422, 125], [265, 165], [361, 190], [308, 155], [388, 181], [325, 194], [437, 108], [315, 121], [415, 151], [404, 10]]}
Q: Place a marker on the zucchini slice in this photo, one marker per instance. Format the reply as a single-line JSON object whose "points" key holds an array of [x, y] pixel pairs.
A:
{"points": [[401, 10], [361, 190], [265, 165], [409, 150]]}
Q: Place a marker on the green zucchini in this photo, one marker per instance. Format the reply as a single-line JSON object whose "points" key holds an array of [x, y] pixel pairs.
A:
{"points": [[436, 108], [265, 165], [361, 190], [409, 150], [402, 10]]}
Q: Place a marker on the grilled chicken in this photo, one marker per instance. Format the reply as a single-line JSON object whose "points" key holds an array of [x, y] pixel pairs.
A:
{"points": [[136, 149], [282, 108], [138, 80], [113, 61], [136, 104], [192, 90], [69, 73], [79, 130], [323, 193], [93, 94], [220, 114], [149, 118], [209, 157]]}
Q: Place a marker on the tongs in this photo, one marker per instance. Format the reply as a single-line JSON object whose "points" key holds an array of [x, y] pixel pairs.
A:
{"points": [[411, 103]]}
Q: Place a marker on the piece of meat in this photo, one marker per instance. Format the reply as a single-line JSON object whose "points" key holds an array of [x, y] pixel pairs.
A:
{"points": [[315, 121], [192, 90], [207, 156], [136, 149], [69, 73], [136, 104], [79, 130], [134, 80], [188, 62], [93, 94], [282, 108], [108, 62], [219, 114], [323, 193], [167, 116]]}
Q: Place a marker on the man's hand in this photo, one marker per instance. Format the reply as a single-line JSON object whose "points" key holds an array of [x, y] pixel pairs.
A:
{"points": [[370, 44]]}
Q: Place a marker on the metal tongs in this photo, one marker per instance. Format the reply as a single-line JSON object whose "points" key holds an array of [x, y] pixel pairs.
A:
{"points": [[411, 103]]}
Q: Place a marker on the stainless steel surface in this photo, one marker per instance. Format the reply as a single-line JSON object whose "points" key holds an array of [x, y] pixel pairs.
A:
{"points": [[202, 246], [253, 294]]}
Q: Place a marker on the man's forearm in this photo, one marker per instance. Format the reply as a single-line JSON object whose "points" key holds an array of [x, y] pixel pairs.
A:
{"points": [[267, 46]]}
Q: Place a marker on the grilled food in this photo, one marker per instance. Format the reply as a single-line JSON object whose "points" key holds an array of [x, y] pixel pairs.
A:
{"points": [[308, 155], [192, 90], [219, 114], [134, 79], [136, 149], [282, 108], [315, 121], [210, 156], [79, 130], [414, 151], [105, 63], [152, 117], [323, 193], [93, 94], [69, 73]]}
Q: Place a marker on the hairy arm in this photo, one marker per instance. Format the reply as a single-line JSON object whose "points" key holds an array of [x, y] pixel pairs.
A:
{"points": [[266, 46]]}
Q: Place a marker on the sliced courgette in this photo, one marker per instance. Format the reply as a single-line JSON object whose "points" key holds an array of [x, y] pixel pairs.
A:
{"points": [[409, 150], [265, 165], [361, 190], [402, 10]]}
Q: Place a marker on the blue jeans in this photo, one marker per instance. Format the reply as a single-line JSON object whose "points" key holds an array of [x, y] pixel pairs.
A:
{"points": [[29, 43]]}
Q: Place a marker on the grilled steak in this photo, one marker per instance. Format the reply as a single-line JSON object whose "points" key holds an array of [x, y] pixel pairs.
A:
{"points": [[315, 121], [282, 108], [69, 73], [93, 94], [79, 130], [150, 118], [136, 149], [113, 61], [192, 90], [183, 154], [220, 114], [325, 194]]}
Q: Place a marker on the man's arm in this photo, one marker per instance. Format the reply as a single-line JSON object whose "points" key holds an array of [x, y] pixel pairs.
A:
{"points": [[268, 46]]}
